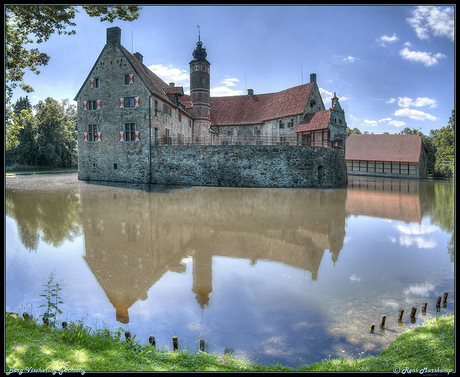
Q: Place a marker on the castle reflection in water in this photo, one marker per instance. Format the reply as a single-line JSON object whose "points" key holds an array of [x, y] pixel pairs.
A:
{"points": [[134, 235]]}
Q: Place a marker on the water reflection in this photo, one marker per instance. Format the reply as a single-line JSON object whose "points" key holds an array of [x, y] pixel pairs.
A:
{"points": [[132, 239], [261, 266]]}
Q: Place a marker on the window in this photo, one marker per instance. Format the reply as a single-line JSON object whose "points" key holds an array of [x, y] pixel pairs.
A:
{"points": [[93, 105], [94, 83], [129, 79], [291, 123], [92, 132], [156, 108], [130, 131], [180, 117], [167, 109], [281, 124]]}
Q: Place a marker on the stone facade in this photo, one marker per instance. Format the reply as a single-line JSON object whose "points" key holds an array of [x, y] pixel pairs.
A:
{"points": [[249, 166]]}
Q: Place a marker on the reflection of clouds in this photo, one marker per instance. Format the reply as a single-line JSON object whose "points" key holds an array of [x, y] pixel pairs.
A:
{"points": [[416, 228], [391, 304], [420, 242], [412, 235], [355, 278], [422, 290]]}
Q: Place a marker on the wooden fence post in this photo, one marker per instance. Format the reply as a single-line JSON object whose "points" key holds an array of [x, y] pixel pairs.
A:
{"points": [[175, 343]]}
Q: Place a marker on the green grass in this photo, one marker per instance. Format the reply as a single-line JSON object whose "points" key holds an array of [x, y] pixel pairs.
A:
{"points": [[29, 345]]}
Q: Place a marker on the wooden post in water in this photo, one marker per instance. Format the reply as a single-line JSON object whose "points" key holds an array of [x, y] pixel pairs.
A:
{"points": [[64, 325], [412, 314], [438, 304], [175, 343], [382, 321], [202, 345], [152, 341], [400, 315], [372, 328], [128, 336], [424, 308], [444, 300]]}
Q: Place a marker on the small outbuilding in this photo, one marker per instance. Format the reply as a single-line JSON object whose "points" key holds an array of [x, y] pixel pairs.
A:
{"points": [[386, 155]]}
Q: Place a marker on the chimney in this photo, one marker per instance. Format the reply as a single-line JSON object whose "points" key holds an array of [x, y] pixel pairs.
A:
{"points": [[250, 92], [171, 84], [313, 78], [139, 56], [113, 35]]}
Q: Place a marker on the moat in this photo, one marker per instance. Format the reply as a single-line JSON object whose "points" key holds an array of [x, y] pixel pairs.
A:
{"points": [[273, 275]]}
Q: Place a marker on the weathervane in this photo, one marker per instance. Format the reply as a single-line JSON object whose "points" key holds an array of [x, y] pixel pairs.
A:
{"points": [[198, 33]]}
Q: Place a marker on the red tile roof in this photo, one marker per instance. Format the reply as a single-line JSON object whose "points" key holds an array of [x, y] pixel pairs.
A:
{"points": [[258, 108], [402, 148], [316, 121]]}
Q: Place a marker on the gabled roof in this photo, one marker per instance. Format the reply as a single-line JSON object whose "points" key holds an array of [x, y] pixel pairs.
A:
{"points": [[401, 148], [258, 108], [315, 121], [153, 83]]}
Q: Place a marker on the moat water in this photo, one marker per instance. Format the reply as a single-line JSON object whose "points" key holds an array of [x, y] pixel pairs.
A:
{"points": [[289, 276]]}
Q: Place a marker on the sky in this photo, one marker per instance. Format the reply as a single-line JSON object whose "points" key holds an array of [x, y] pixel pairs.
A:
{"points": [[391, 66]]}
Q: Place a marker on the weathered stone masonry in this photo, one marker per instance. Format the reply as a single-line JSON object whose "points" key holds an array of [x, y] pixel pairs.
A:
{"points": [[249, 166]]}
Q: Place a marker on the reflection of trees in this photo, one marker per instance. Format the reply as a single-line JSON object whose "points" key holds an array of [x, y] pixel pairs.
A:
{"points": [[52, 215], [441, 208]]}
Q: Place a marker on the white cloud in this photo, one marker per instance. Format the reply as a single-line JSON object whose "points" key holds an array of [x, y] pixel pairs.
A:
{"points": [[169, 74], [388, 121], [225, 89], [416, 229], [419, 242], [397, 123], [414, 114], [433, 20], [384, 39], [422, 290], [370, 123], [391, 100], [427, 58], [419, 102], [350, 59], [327, 95], [230, 81]]}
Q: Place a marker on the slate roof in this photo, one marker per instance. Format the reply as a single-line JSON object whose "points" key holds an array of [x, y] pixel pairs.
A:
{"points": [[400, 148], [316, 121], [258, 108]]}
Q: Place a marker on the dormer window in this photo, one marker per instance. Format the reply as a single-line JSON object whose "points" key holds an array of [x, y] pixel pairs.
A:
{"points": [[312, 103]]}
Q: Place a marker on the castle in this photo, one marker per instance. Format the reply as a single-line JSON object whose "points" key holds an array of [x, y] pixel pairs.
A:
{"points": [[125, 111]]}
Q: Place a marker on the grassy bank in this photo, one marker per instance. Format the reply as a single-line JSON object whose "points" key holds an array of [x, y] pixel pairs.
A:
{"points": [[29, 345], [25, 170]]}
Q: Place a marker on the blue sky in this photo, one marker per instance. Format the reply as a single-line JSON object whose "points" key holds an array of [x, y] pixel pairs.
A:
{"points": [[391, 66]]}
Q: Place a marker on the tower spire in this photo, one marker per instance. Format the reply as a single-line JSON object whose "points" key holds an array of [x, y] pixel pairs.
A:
{"points": [[198, 33]]}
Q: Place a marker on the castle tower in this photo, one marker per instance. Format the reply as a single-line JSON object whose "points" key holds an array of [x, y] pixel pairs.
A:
{"points": [[200, 92]]}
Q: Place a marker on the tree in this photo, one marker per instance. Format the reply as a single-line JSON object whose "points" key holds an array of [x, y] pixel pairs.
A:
{"points": [[21, 104], [353, 131], [25, 24], [445, 148], [26, 151]]}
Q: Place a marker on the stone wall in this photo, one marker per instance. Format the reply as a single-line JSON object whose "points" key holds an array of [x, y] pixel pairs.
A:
{"points": [[248, 166]]}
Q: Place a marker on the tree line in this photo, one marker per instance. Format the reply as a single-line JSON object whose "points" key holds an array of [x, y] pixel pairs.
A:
{"points": [[439, 144], [44, 135]]}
